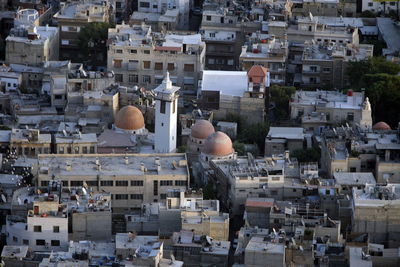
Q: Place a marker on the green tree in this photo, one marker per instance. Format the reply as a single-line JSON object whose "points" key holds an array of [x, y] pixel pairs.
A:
{"points": [[255, 134], [209, 191], [239, 148], [381, 82], [307, 155], [93, 42], [281, 95]]}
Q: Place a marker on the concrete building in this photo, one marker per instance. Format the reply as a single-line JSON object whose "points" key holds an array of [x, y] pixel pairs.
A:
{"points": [[376, 7], [30, 142], [132, 179], [266, 51], [282, 139], [243, 96], [9, 81], [140, 57], [71, 18], [327, 8], [375, 210], [75, 143], [163, 6], [330, 107], [347, 180], [195, 250], [32, 45], [259, 252], [44, 229]]}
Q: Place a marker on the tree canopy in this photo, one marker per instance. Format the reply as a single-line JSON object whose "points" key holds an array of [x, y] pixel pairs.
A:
{"points": [[381, 82], [281, 95], [93, 40]]}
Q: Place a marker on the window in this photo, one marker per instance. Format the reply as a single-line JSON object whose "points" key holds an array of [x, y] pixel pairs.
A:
{"points": [[162, 106], [64, 42], [15, 239], [144, 4], [188, 67], [119, 78], [350, 116], [180, 183], [44, 183], [121, 183], [353, 169], [76, 183], [84, 150], [211, 61], [37, 228], [146, 52], [121, 196], [155, 188], [55, 243], [56, 229], [117, 63], [158, 66], [326, 69], [392, 3], [136, 183], [133, 51], [146, 79], [166, 183], [92, 183], [146, 65], [171, 66], [25, 242], [208, 18], [155, 6], [106, 183], [163, 196], [40, 242], [133, 78], [274, 193], [119, 51], [137, 196], [230, 62], [65, 183], [212, 34], [92, 150]]}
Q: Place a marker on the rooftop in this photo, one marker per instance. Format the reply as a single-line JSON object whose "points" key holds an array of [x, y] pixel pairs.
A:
{"points": [[41, 34], [377, 195], [215, 80], [133, 241], [14, 251], [354, 178], [329, 99], [258, 243], [294, 133], [113, 164]]}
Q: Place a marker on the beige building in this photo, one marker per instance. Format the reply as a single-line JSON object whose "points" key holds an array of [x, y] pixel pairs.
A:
{"points": [[29, 142], [140, 57], [132, 179], [76, 143], [282, 139], [376, 210], [259, 253], [32, 45]]}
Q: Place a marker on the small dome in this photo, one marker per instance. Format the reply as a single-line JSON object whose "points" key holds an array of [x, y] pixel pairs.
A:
{"points": [[218, 144], [202, 129], [381, 126], [129, 118]]}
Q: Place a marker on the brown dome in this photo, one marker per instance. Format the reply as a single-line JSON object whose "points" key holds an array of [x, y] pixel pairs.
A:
{"points": [[381, 126], [129, 118], [218, 144], [202, 129]]}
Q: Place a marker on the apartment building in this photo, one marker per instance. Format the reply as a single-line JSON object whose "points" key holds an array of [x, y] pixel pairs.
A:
{"points": [[132, 179], [140, 57], [71, 18], [75, 143], [45, 228], [269, 52], [318, 8], [281, 140], [29, 142], [375, 211], [325, 65]]}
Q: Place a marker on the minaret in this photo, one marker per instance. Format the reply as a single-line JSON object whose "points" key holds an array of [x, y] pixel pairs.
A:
{"points": [[366, 118], [166, 116]]}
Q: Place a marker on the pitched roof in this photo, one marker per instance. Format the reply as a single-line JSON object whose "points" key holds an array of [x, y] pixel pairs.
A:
{"points": [[257, 71]]}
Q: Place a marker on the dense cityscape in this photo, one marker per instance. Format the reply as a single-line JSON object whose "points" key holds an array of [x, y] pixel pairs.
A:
{"points": [[211, 133]]}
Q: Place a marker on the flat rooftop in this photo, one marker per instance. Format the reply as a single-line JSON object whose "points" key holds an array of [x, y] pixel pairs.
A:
{"points": [[14, 251], [377, 195], [329, 99], [354, 178], [133, 241], [259, 243], [295, 133], [215, 80], [113, 164]]}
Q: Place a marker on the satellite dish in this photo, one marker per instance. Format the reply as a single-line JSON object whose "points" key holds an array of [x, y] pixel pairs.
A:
{"points": [[172, 258], [84, 191], [3, 198], [209, 239]]}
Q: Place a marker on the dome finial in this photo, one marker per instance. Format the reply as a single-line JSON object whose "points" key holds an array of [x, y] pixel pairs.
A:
{"points": [[167, 81]]}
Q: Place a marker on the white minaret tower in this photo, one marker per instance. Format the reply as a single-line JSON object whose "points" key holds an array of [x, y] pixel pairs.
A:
{"points": [[166, 116], [366, 118]]}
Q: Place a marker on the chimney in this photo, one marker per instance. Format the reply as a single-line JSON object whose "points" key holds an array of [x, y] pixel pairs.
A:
{"points": [[126, 160], [142, 168]]}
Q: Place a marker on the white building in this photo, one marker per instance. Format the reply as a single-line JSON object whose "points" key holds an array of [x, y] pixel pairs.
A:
{"points": [[166, 116], [384, 7], [10, 81], [44, 229]]}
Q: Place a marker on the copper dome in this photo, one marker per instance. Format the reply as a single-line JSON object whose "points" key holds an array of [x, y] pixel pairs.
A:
{"points": [[381, 126], [129, 118], [202, 129], [218, 144]]}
